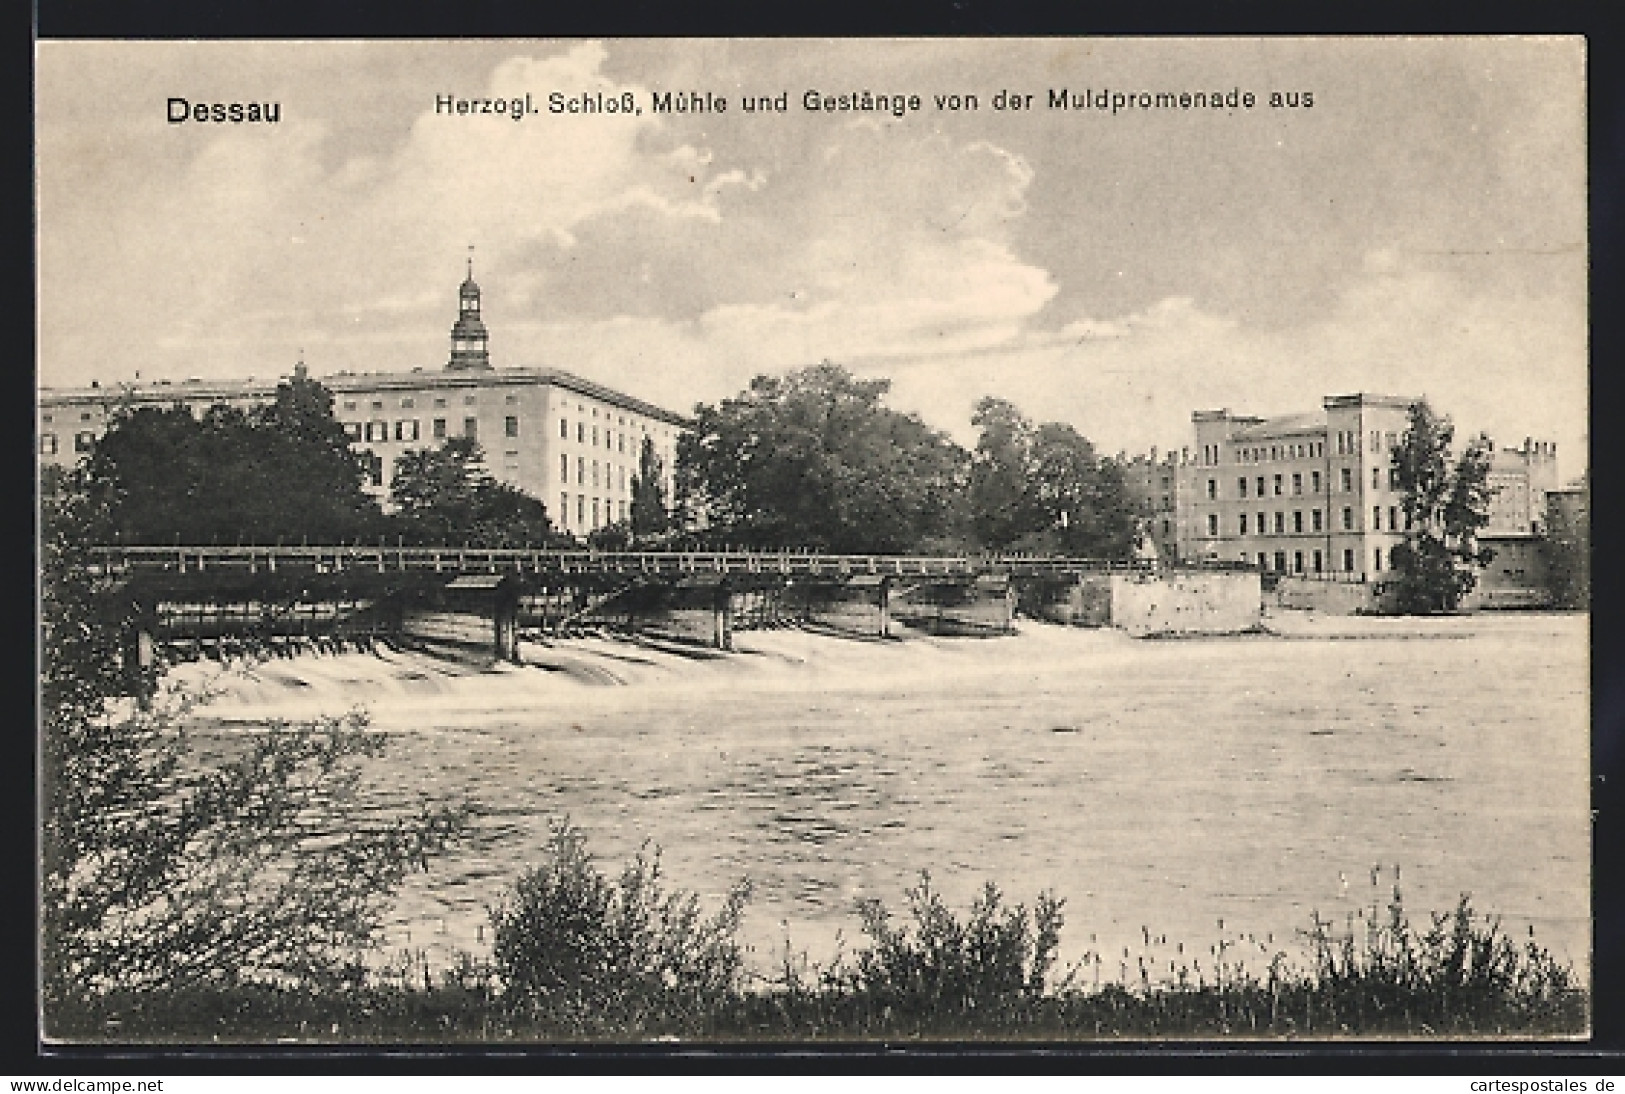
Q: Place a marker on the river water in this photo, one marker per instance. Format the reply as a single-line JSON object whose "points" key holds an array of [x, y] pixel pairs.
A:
{"points": [[1194, 790]]}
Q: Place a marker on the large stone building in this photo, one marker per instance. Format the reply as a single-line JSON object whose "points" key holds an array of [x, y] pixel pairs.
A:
{"points": [[1301, 494], [568, 441]]}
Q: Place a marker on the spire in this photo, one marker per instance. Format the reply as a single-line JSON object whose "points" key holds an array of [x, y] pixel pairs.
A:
{"points": [[468, 334]]}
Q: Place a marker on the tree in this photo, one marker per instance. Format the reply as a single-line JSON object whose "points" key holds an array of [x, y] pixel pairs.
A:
{"points": [[649, 514], [279, 471], [1045, 488], [814, 459], [163, 872], [1004, 504], [1445, 506], [446, 496]]}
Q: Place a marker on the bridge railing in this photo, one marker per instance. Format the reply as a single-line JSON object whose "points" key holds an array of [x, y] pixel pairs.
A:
{"points": [[509, 560]]}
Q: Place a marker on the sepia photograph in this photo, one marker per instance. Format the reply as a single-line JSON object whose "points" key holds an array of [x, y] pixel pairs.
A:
{"points": [[813, 542]]}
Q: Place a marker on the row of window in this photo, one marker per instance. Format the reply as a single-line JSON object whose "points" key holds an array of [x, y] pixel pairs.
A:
{"points": [[409, 429], [1279, 561], [1261, 527], [82, 442], [600, 516], [610, 472], [612, 440], [1278, 482], [409, 402], [1306, 450]]}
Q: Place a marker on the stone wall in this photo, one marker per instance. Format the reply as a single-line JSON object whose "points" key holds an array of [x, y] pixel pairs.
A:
{"points": [[1191, 603], [1331, 597]]}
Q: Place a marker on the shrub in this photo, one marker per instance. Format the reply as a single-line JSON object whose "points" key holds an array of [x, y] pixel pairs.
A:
{"points": [[577, 951], [993, 964]]}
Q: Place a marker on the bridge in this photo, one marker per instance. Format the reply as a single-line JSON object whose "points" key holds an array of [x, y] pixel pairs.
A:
{"points": [[482, 598]]}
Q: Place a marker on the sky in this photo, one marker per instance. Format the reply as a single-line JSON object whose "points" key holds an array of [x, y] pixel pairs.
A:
{"points": [[1420, 229]]}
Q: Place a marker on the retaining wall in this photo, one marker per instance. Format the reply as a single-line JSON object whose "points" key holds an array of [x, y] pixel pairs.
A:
{"points": [[1186, 603]]}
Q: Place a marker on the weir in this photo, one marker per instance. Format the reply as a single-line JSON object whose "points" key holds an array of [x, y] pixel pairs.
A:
{"points": [[476, 601]]}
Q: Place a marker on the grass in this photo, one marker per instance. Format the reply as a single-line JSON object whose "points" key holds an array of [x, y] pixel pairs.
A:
{"points": [[580, 956]]}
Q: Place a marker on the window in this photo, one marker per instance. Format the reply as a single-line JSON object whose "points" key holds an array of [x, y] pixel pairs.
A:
{"points": [[1348, 519], [511, 400], [439, 403], [47, 444], [408, 403], [1376, 478], [1376, 518], [1263, 563], [595, 512], [1297, 482], [1280, 524], [564, 468], [564, 429], [1348, 560], [378, 404], [377, 431], [581, 471], [1213, 524], [440, 429], [1280, 561], [1314, 520], [1260, 525], [349, 404], [1348, 479], [1393, 478], [1317, 562], [595, 434], [1277, 486], [468, 400], [1261, 486], [471, 427], [406, 430], [1314, 482], [1376, 560], [1297, 562], [1242, 528], [595, 474], [1297, 521], [620, 442], [564, 505], [1393, 518], [510, 426], [352, 430], [1212, 489], [581, 509], [581, 433], [623, 510], [1241, 487]]}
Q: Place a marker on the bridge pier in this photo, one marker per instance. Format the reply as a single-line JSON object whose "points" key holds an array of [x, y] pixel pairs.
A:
{"points": [[722, 613]]}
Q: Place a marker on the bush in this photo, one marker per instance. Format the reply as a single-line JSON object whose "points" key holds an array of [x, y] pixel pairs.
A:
{"points": [[992, 964], [584, 954]]}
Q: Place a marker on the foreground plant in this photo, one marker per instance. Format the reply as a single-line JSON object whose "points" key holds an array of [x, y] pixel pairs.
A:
{"points": [[585, 953]]}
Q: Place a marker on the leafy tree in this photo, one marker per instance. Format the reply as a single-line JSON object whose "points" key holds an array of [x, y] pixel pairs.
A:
{"points": [[814, 459], [649, 513], [283, 470], [1045, 488], [445, 495], [1445, 507], [163, 871], [1004, 505]]}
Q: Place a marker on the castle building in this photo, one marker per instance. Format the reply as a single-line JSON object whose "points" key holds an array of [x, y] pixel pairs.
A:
{"points": [[1312, 494], [572, 443]]}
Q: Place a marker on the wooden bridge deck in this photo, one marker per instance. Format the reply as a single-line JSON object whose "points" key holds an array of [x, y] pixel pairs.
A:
{"points": [[129, 561]]}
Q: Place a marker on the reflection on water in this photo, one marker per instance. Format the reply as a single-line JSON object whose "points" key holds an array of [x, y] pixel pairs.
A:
{"points": [[1161, 787]]}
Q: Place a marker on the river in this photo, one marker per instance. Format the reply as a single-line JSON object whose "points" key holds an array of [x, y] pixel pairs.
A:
{"points": [[1194, 790]]}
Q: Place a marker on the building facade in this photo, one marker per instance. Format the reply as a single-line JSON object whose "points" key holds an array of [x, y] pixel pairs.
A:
{"points": [[572, 443], [1311, 494]]}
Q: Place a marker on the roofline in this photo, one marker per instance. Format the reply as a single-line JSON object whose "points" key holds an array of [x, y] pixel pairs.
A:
{"points": [[1365, 398], [164, 392]]}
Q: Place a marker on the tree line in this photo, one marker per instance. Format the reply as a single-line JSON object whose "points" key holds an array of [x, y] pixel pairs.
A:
{"points": [[811, 459]]}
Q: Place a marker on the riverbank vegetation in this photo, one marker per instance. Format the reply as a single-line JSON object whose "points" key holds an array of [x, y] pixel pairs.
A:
{"points": [[580, 956]]}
